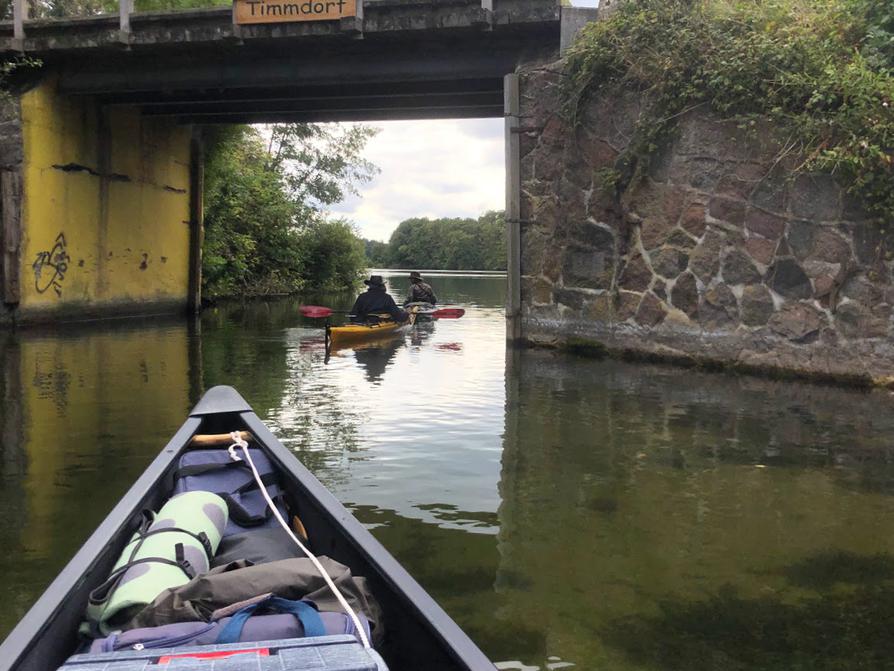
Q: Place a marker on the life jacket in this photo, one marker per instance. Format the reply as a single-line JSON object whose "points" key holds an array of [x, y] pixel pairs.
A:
{"points": [[167, 550]]}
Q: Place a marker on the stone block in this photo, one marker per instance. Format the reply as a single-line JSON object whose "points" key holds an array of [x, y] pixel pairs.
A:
{"points": [[727, 209], [587, 268], [798, 322], [590, 234], [738, 268], [651, 311], [861, 289], [788, 279], [800, 238], [756, 305], [684, 295], [569, 297], [733, 186], [658, 207], [765, 224], [669, 262], [770, 194], [704, 261], [599, 308], [697, 172], [636, 276], [536, 290], [626, 305], [594, 152], [815, 197], [681, 240], [760, 249], [693, 219], [830, 247], [856, 321], [718, 308]]}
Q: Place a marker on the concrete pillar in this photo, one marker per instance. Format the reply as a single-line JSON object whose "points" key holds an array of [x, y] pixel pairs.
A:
{"points": [[513, 207], [196, 218], [10, 235]]}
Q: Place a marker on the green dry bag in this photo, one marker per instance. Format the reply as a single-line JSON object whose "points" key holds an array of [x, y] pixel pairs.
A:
{"points": [[169, 549]]}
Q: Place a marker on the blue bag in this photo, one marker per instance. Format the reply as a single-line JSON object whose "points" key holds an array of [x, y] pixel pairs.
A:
{"points": [[298, 619], [215, 471]]}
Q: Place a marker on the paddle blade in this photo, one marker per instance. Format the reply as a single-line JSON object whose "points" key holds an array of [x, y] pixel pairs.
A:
{"points": [[448, 313], [314, 311]]}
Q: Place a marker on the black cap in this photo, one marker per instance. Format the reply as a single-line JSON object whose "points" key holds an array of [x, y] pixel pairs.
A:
{"points": [[374, 281]]}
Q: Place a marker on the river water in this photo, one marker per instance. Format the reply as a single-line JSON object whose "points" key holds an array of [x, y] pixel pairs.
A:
{"points": [[567, 512]]}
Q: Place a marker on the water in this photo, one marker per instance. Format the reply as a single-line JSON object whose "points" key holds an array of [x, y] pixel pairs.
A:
{"points": [[568, 513]]}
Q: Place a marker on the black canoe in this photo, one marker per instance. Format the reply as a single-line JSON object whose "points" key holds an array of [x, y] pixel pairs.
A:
{"points": [[420, 636]]}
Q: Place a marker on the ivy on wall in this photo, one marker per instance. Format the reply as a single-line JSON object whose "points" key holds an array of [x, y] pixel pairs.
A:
{"points": [[822, 71]]}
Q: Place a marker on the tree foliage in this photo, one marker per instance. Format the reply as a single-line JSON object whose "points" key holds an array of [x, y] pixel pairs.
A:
{"points": [[57, 9], [449, 244], [265, 230], [821, 70]]}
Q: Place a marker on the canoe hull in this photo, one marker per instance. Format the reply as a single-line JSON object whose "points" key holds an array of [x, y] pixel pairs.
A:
{"points": [[419, 634]]}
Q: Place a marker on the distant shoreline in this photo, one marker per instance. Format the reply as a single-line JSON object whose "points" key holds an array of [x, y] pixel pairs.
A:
{"points": [[423, 271]]}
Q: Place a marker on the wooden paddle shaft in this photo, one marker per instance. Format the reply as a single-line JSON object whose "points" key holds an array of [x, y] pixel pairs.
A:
{"points": [[212, 439]]}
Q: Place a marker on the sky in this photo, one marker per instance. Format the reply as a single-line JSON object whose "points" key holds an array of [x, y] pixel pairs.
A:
{"points": [[445, 168], [449, 168]]}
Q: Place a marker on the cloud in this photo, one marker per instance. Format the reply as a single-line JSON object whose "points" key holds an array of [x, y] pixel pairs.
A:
{"points": [[450, 168]]}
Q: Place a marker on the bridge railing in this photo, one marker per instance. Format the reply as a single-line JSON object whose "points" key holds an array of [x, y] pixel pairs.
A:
{"points": [[126, 8]]}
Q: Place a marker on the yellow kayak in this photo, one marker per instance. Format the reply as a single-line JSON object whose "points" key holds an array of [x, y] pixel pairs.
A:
{"points": [[349, 333]]}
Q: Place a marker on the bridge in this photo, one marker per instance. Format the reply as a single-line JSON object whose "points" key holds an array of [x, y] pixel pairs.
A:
{"points": [[101, 153]]}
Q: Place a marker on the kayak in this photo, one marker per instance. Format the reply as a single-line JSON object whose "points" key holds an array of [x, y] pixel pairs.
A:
{"points": [[338, 336], [418, 634]]}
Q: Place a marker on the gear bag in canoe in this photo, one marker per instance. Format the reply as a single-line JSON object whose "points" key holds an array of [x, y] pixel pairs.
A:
{"points": [[168, 549], [216, 471]]}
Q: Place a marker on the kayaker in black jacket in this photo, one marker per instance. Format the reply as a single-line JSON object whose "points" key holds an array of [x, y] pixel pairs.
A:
{"points": [[376, 300], [420, 292]]}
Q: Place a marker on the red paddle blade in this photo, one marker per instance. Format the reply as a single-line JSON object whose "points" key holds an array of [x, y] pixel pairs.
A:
{"points": [[314, 311], [448, 313]]}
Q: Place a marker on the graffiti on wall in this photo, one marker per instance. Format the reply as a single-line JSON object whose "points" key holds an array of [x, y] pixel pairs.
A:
{"points": [[50, 267]]}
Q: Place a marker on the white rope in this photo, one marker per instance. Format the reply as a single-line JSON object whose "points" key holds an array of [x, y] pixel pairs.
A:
{"points": [[240, 442]]}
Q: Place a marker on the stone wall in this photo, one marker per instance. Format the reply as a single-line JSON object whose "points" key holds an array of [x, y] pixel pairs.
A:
{"points": [[719, 254]]}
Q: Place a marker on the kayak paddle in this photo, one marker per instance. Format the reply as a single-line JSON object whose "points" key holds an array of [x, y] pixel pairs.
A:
{"points": [[445, 313], [315, 311]]}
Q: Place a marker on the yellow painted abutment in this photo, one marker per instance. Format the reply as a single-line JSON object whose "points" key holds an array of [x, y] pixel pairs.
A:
{"points": [[104, 215]]}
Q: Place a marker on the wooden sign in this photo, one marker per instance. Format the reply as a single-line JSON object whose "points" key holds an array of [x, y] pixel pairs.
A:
{"points": [[286, 11]]}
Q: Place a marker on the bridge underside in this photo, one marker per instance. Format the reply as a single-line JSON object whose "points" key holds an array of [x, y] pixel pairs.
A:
{"points": [[394, 68], [101, 172]]}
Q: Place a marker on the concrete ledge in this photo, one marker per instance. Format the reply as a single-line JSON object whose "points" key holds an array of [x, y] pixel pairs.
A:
{"points": [[73, 313], [753, 353]]}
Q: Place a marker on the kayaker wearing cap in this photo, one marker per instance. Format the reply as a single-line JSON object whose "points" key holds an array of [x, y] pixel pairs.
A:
{"points": [[420, 292], [376, 300]]}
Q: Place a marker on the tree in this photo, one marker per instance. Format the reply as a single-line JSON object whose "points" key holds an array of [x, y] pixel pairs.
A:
{"points": [[265, 228], [452, 244]]}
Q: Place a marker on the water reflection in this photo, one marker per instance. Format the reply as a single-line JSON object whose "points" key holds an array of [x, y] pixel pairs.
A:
{"points": [[706, 521], [83, 412], [569, 513]]}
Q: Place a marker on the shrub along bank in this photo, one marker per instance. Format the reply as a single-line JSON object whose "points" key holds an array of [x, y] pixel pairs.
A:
{"points": [[265, 230]]}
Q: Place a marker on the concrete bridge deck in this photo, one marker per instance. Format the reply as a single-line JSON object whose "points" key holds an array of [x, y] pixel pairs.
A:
{"points": [[400, 59]]}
